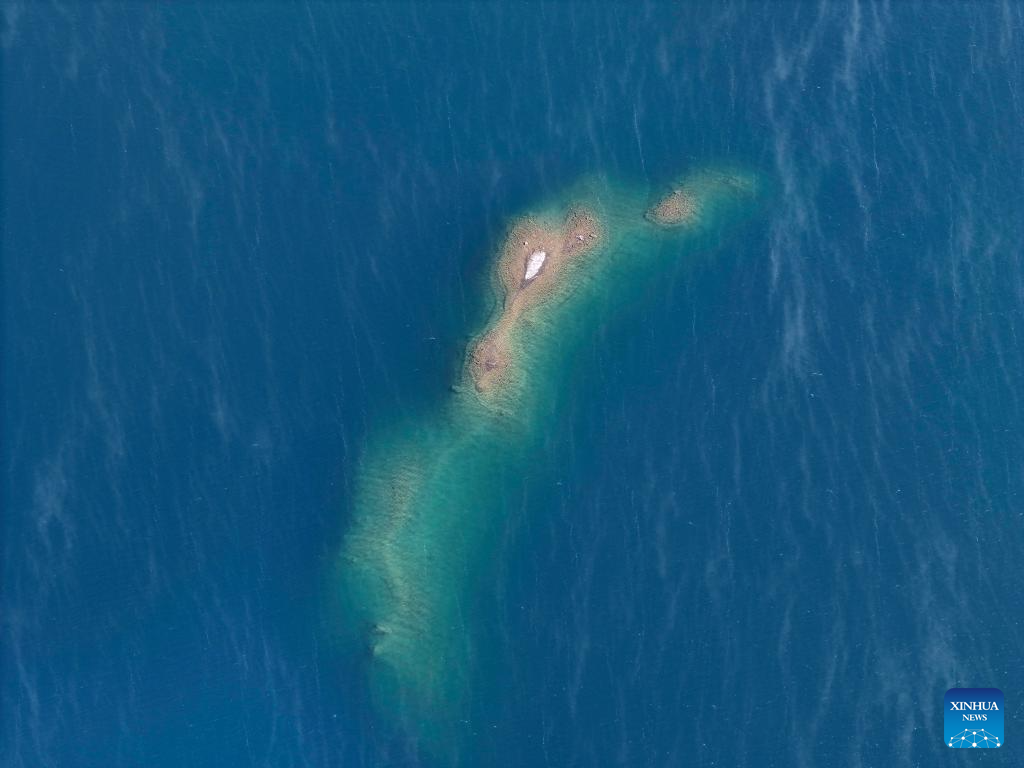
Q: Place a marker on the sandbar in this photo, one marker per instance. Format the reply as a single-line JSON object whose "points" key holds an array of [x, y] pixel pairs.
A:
{"points": [[531, 266], [676, 209], [693, 198]]}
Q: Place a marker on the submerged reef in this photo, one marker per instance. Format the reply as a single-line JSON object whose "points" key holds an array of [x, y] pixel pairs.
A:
{"points": [[430, 494]]}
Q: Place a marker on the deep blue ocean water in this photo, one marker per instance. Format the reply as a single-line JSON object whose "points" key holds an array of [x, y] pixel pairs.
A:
{"points": [[238, 238]]}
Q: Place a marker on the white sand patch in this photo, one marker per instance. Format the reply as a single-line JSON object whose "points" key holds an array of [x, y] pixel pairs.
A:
{"points": [[534, 263]]}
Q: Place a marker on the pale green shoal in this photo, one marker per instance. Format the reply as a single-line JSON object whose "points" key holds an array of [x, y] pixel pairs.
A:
{"points": [[430, 494]]}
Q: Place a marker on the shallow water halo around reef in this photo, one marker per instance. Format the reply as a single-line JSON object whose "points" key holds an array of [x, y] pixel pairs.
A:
{"points": [[430, 494]]}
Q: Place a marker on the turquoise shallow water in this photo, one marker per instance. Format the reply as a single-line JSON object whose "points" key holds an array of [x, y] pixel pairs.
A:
{"points": [[431, 494], [243, 242]]}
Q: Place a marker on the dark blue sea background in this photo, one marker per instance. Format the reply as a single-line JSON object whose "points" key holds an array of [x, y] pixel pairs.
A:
{"points": [[240, 238]]}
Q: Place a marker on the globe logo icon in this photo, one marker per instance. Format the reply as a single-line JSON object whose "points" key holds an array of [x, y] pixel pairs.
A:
{"points": [[974, 738]]}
